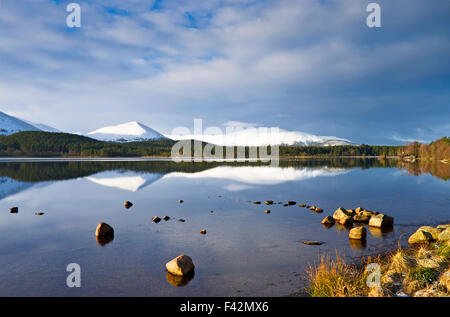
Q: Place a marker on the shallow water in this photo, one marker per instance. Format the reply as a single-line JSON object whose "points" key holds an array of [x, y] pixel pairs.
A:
{"points": [[245, 252]]}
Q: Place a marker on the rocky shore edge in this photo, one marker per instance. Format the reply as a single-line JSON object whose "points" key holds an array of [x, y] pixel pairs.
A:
{"points": [[421, 270]]}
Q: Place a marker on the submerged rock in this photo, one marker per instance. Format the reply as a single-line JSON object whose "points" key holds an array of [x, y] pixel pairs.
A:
{"points": [[180, 266], [358, 233], [181, 220], [128, 204], [156, 219], [257, 202], [381, 220], [103, 230], [14, 210], [38, 213], [311, 242], [302, 205]]}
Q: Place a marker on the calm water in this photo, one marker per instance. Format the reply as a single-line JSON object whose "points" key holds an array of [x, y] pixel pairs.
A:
{"points": [[245, 252]]}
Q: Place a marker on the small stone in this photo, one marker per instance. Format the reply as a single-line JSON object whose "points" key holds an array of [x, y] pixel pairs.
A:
{"points": [[267, 211], [14, 210], [38, 213], [211, 212], [358, 233], [302, 205], [291, 202], [180, 266], [181, 220], [269, 202], [318, 210], [156, 219], [128, 204], [103, 229], [181, 201], [328, 220], [166, 218], [312, 208], [285, 205], [381, 220], [203, 231], [257, 202]]}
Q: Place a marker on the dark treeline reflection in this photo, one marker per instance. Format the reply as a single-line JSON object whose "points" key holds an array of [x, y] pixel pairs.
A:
{"points": [[48, 171]]}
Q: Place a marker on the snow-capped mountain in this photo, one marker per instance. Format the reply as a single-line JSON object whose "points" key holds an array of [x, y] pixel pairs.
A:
{"points": [[265, 136], [10, 125], [126, 132]]}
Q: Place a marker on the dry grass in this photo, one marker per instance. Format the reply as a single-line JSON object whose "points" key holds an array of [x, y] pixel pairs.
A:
{"points": [[335, 278]]}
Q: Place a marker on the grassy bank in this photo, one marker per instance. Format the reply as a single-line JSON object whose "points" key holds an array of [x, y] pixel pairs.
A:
{"points": [[422, 270]]}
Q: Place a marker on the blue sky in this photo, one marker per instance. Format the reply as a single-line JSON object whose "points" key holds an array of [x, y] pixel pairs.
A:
{"points": [[311, 66]]}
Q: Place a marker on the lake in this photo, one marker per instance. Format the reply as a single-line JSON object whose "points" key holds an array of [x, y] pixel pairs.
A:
{"points": [[245, 252]]}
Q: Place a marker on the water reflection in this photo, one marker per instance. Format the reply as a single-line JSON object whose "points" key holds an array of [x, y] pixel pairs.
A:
{"points": [[357, 244], [104, 240], [179, 281], [380, 232]]}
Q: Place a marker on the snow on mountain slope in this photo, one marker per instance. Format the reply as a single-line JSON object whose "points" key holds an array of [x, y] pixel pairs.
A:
{"points": [[265, 136], [44, 127], [126, 132], [10, 125]]}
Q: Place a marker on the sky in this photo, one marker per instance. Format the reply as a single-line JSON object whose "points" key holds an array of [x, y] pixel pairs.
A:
{"points": [[300, 65]]}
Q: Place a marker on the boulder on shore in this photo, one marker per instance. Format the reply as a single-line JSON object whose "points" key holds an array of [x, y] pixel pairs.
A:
{"points": [[381, 220], [180, 266], [444, 235], [103, 230], [433, 231], [420, 237], [358, 233]]}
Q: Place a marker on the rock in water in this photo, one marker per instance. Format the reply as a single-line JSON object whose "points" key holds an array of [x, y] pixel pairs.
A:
{"points": [[318, 210], [302, 205], [128, 204], [346, 220], [103, 230], [166, 218], [38, 213], [267, 211], [180, 266], [381, 220], [257, 202], [358, 233], [156, 219], [181, 220], [340, 213], [181, 201], [361, 217], [291, 202], [359, 209], [14, 210], [269, 202], [203, 231], [328, 220], [311, 242]]}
